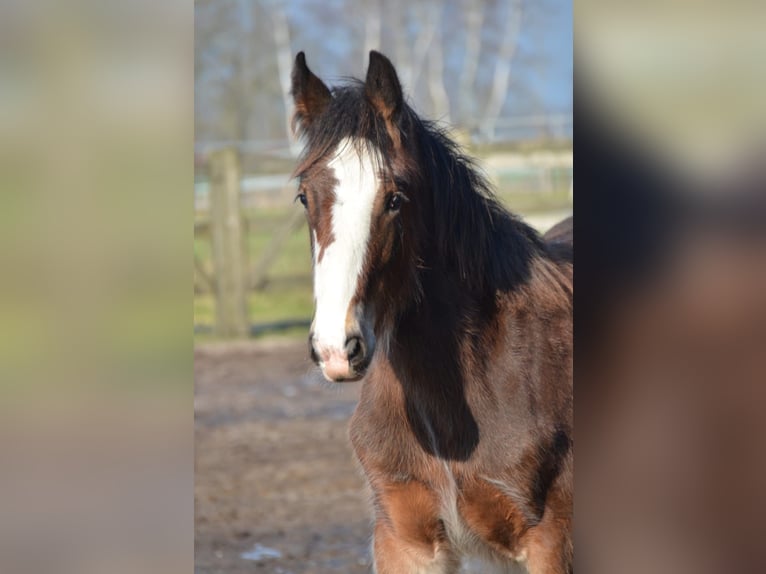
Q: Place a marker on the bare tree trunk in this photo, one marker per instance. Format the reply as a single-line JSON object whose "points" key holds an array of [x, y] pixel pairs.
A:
{"points": [[436, 88], [427, 17], [475, 17], [402, 43], [245, 71], [372, 28], [503, 67], [284, 64]]}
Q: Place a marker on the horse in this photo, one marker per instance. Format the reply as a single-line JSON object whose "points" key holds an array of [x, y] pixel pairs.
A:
{"points": [[457, 317]]}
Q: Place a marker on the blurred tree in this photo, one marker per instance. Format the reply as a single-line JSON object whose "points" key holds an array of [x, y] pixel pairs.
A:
{"points": [[372, 32], [503, 62], [474, 21], [439, 98], [285, 56]]}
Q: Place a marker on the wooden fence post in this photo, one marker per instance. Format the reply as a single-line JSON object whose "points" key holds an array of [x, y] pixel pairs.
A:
{"points": [[228, 244]]}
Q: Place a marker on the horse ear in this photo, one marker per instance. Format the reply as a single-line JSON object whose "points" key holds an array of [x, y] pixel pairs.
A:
{"points": [[310, 95], [382, 86]]}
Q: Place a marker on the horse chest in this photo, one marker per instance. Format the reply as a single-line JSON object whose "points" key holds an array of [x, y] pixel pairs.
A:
{"points": [[475, 512]]}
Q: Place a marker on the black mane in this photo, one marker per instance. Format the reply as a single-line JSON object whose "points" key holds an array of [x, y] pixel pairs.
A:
{"points": [[474, 236]]}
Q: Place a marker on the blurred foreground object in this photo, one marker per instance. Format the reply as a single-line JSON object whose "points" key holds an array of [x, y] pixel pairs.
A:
{"points": [[686, 79], [670, 313], [96, 381]]}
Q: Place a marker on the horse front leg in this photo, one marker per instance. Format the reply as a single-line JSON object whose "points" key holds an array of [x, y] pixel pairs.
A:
{"points": [[409, 536], [549, 547], [395, 555]]}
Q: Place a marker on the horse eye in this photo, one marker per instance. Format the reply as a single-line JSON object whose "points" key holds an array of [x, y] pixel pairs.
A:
{"points": [[302, 198], [394, 202]]}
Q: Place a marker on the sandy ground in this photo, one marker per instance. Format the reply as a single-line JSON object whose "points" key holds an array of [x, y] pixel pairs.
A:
{"points": [[277, 488]]}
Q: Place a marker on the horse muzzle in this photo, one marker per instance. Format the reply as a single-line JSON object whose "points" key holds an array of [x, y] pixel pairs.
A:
{"points": [[342, 365]]}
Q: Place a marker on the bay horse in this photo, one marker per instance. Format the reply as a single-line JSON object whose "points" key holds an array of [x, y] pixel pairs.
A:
{"points": [[458, 318]]}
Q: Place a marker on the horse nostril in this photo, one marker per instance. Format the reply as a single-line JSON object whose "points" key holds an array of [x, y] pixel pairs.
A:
{"points": [[312, 350], [354, 348]]}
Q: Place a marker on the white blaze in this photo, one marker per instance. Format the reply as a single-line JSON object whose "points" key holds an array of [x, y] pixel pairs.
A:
{"points": [[337, 275]]}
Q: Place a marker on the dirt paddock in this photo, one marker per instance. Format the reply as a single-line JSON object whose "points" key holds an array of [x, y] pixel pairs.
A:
{"points": [[277, 488], [275, 475]]}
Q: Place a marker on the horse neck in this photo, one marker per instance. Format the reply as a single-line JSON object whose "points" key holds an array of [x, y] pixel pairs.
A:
{"points": [[474, 243], [440, 326], [472, 250], [427, 358]]}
